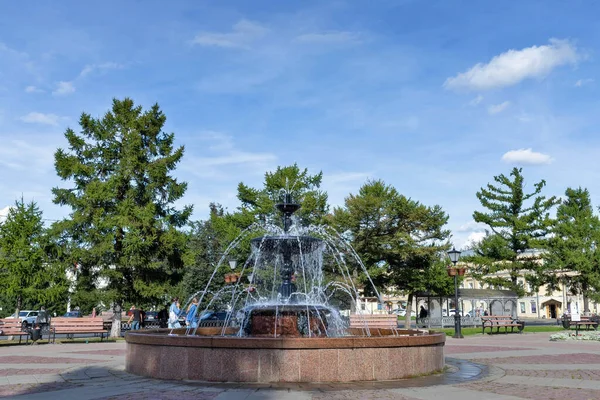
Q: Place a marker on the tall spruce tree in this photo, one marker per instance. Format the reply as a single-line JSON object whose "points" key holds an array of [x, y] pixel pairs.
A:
{"points": [[573, 254], [123, 221], [400, 241], [516, 221], [30, 275]]}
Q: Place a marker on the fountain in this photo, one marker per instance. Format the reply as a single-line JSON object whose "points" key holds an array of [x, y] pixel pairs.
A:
{"points": [[281, 325]]}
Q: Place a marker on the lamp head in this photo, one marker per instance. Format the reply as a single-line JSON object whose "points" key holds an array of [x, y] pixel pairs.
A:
{"points": [[454, 255], [232, 264]]}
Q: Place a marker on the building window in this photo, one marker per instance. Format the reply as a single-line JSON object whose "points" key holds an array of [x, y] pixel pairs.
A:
{"points": [[533, 307], [522, 304], [363, 306], [379, 306]]}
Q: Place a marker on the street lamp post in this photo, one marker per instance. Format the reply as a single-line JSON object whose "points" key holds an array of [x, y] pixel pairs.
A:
{"points": [[454, 256]]}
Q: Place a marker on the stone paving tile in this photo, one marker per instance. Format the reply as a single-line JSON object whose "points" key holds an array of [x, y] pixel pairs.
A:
{"points": [[20, 389], [361, 395], [479, 349], [571, 358], [557, 374], [533, 392], [112, 352], [164, 395], [32, 371], [44, 360]]}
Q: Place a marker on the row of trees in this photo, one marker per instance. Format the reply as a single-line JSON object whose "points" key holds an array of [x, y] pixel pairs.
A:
{"points": [[126, 242], [518, 222]]}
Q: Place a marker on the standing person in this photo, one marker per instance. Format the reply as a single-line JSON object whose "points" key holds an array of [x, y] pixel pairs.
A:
{"points": [[174, 314], [94, 312], [134, 319], [191, 318], [163, 316], [422, 313]]}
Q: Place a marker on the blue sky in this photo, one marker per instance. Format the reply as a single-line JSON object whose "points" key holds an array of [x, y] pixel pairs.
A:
{"points": [[434, 97]]}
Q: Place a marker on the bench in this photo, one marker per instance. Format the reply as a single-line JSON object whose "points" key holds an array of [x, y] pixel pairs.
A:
{"points": [[374, 321], [73, 326], [501, 321], [13, 327], [585, 321]]}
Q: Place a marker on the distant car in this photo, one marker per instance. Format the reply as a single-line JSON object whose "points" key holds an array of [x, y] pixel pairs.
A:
{"points": [[215, 316], [151, 316], [72, 314], [401, 312], [27, 317]]}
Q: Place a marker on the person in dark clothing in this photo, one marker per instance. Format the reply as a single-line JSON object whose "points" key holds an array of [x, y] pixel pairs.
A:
{"points": [[163, 316], [422, 313], [135, 318]]}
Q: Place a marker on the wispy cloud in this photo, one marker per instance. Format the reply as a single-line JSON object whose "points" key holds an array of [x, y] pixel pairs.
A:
{"points": [[40, 118], [90, 68], [498, 108], [513, 66], [33, 89], [476, 101], [527, 157], [583, 82], [329, 38], [243, 33], [64, 88]]}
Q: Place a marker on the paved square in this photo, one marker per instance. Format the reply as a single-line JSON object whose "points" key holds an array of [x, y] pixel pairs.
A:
{"points": [[521, 366]]}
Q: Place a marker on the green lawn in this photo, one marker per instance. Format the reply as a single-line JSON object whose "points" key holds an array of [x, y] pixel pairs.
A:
{"points": [[528, 329]]}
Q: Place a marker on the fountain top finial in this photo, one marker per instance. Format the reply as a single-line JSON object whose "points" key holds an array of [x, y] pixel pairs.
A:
{"points": [[287, 208]]}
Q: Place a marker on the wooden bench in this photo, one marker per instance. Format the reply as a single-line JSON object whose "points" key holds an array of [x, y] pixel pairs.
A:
{"points": [[388, 321], [13, 327], [585, 321], [73, 326], [501, 321]]}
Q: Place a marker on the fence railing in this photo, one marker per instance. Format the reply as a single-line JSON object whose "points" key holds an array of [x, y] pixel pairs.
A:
{"points": [[444, 322]]}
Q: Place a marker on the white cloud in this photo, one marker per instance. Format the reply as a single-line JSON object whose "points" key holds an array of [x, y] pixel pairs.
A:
{"points": [[4, 213], [64, 88], [328, 38], [583, 82], [498, 108], [476, 100], [33, 89], [513, 66], [526, 156], [88, 69], [473, 239], [40, 118], [243, 33]]}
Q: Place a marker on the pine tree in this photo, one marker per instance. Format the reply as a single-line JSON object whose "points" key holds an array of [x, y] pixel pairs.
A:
{"points": [[399, 240], [516, 221], [573, 255], [123, 221], [29, 274]]}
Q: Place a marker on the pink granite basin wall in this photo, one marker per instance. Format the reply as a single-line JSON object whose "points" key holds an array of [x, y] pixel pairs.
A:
{"points": [[265, 360]]}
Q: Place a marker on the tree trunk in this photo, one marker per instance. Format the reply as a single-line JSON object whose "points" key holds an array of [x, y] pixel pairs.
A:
{"points": [[586, 301], [115, 330], [408, 311], [19, 305]]}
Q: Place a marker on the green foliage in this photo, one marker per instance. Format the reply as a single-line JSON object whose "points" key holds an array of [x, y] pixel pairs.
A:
{"points": [[260, 203], [29, 274], [573, 255], [123, 228], [400, 241], [517, 221]]}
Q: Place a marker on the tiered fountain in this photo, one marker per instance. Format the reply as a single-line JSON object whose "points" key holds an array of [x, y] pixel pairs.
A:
{"points": [[281, 326]]}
